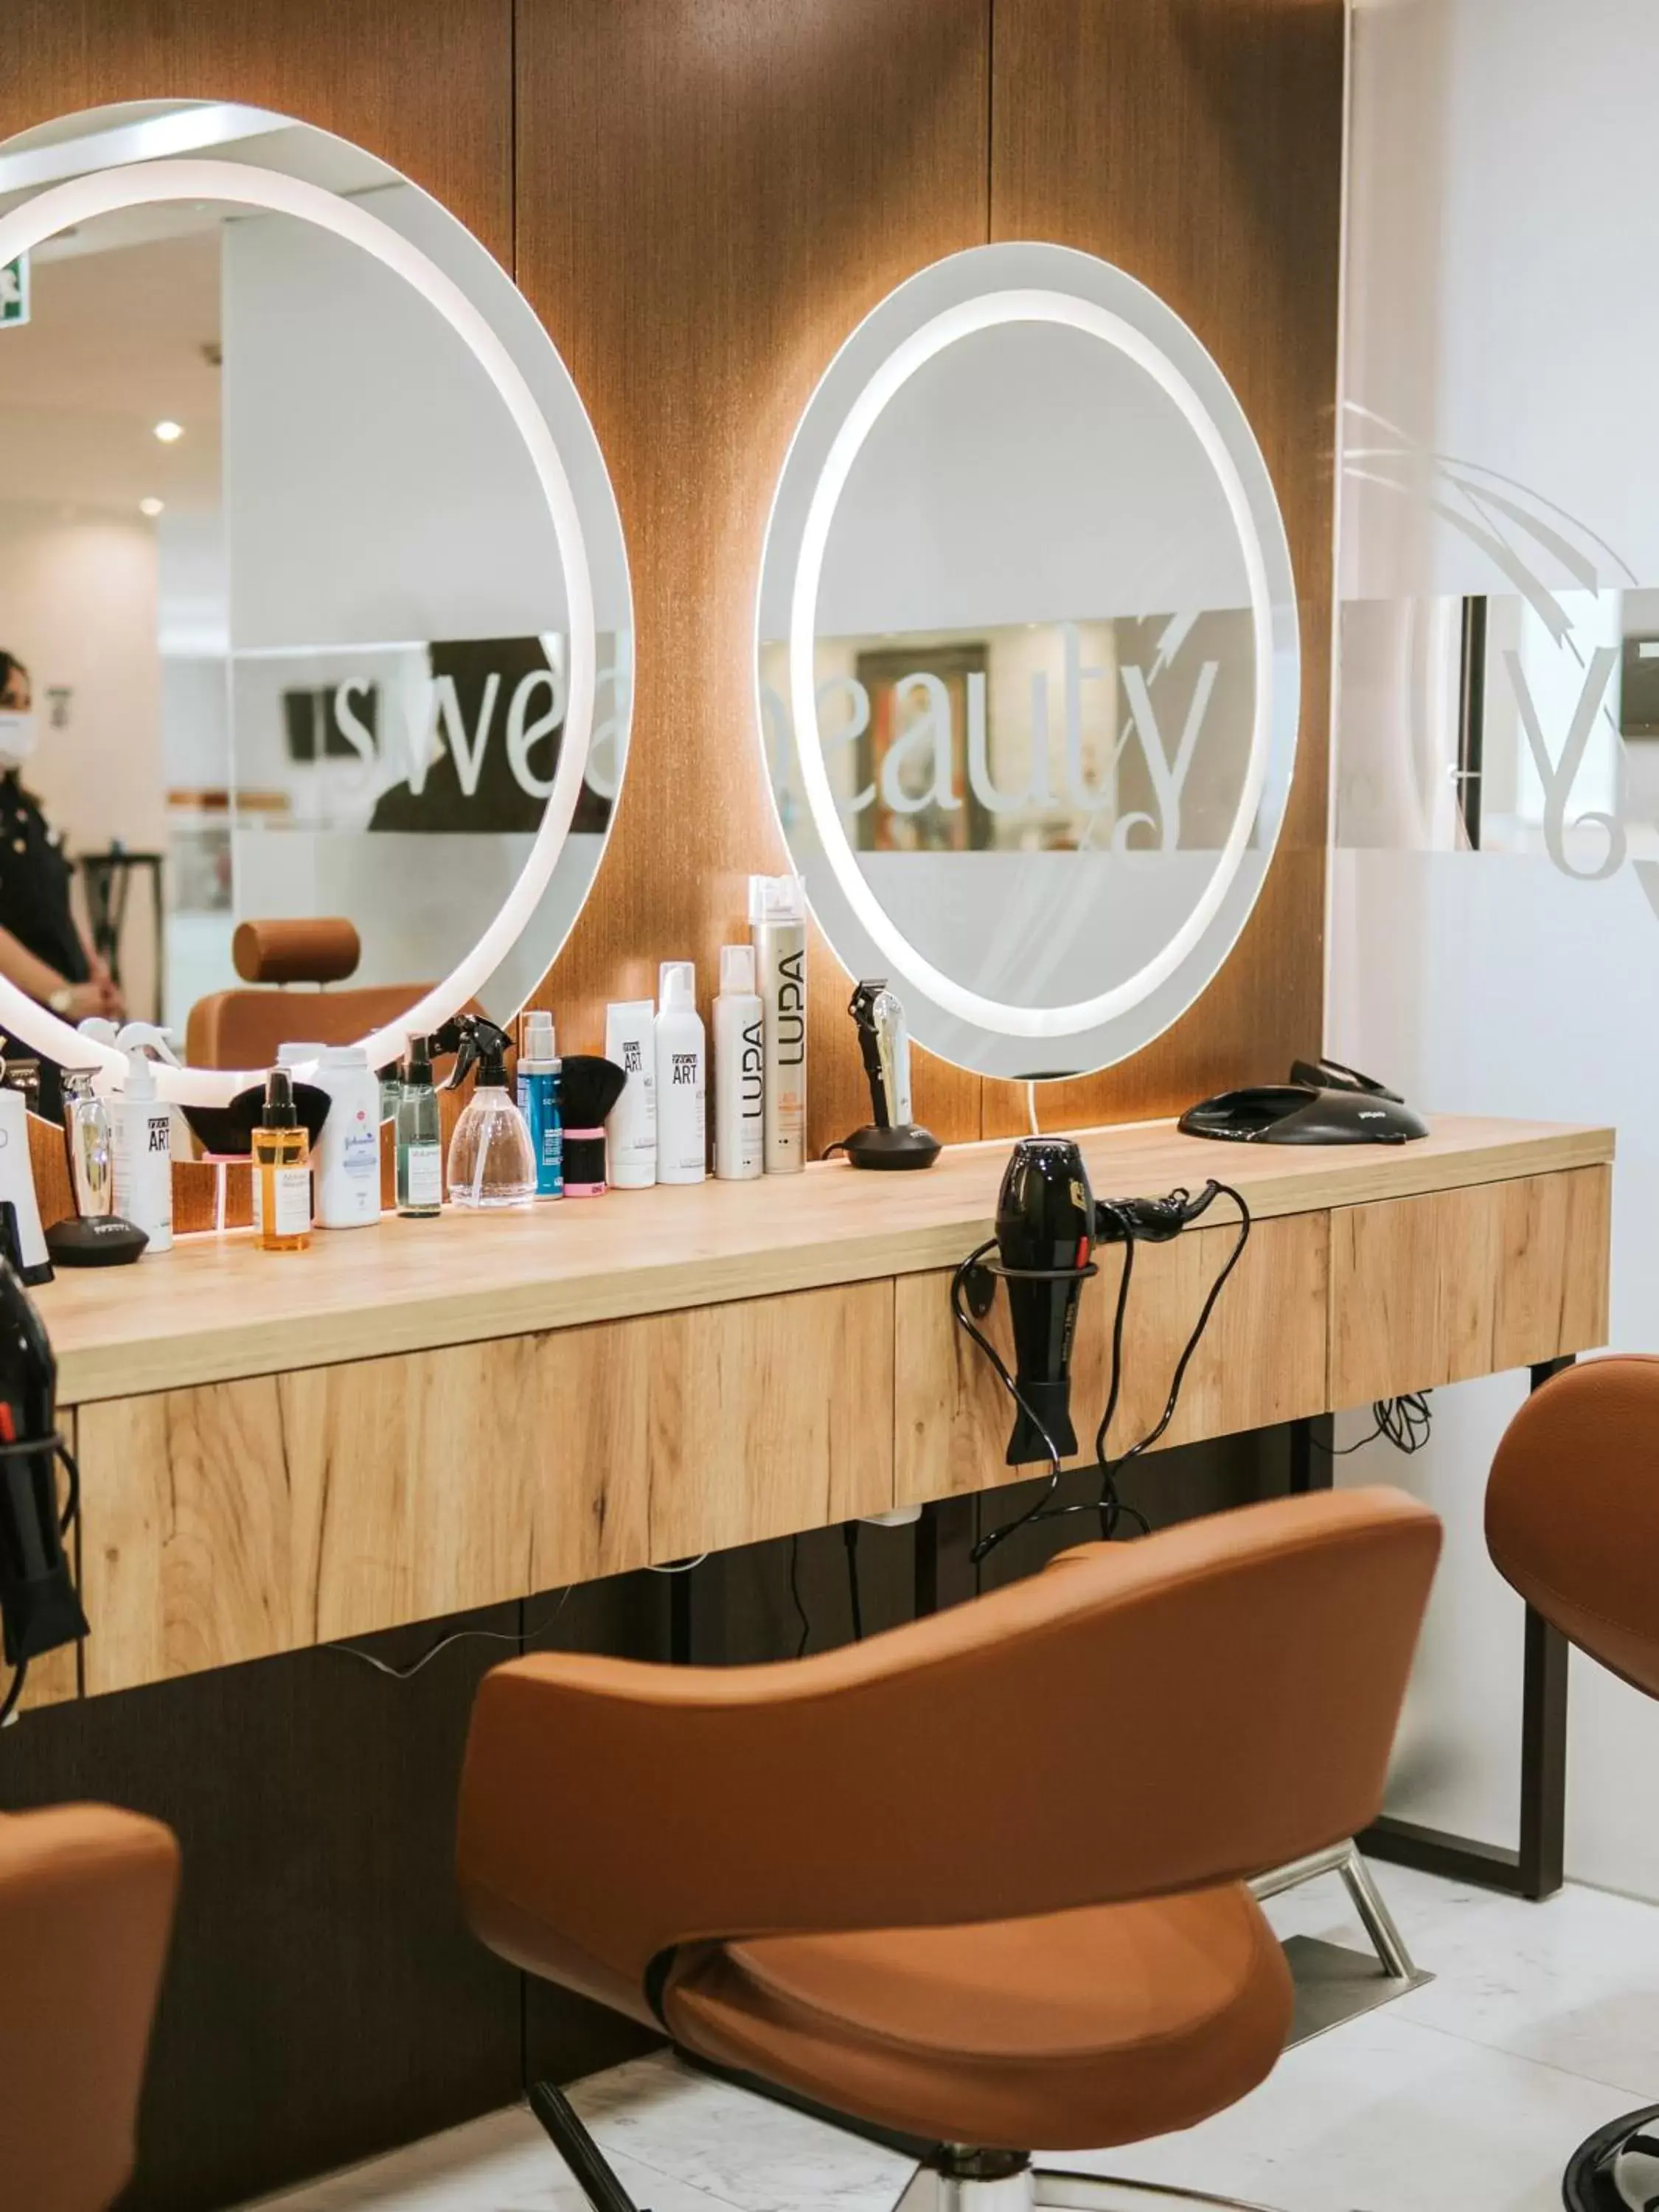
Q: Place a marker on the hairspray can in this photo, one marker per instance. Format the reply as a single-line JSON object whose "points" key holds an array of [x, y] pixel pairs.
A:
{"points": [[777, 923]]}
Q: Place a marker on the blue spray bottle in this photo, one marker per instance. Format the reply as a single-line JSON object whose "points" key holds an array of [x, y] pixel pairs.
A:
{"points": [[538, 1101]]}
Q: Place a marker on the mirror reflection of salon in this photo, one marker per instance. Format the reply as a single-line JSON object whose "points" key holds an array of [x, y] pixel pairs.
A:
{"points": [[46, 948], [270, 532]]}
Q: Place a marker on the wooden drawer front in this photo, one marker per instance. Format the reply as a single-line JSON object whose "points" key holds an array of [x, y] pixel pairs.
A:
{"points": [[1428, 1290], [241, 1519], [1262, 1358]]}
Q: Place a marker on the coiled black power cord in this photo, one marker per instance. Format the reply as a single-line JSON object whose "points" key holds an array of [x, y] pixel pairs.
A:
{"points": [[60, 1451]]}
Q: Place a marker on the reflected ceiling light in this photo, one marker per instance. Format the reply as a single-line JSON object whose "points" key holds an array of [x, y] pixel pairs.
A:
{"points": [[983, 312], [150, 184], [151, 507], [169, 432]]}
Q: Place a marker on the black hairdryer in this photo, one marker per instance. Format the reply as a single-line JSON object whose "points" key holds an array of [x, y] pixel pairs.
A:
{"points": [[1045, 1233], [39, 1608]]}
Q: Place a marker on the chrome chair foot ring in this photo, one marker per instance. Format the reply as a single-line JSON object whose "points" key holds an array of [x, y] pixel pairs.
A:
{"points": [[1617, 2169]]}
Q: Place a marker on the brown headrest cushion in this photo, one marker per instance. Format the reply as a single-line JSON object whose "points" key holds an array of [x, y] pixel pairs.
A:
{"points": [[326, 950]]}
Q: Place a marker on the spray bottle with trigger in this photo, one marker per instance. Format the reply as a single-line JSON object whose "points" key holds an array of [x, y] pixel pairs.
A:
{"points": [[492, 1161]]}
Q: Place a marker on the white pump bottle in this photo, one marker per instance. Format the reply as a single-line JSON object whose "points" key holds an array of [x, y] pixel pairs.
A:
{"points": [[141, 1136]]}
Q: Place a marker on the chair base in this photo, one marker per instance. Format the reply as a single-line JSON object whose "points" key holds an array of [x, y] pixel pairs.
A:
{"points": [[950, 2178], [1617, 2169]]}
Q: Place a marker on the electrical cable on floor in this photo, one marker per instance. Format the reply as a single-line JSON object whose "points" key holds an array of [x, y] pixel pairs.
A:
{"points": [[795, 1592], [1404, 1422], [679, 1566], [850, 1533], [522, 1638], [66, 1519]]}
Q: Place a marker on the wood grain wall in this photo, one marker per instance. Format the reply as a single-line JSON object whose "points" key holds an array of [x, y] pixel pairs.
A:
{"points": [[766, 175], [701, 198]]}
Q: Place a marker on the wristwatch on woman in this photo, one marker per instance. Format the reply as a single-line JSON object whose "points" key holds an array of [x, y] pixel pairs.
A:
{"points": [[62, 1001]]}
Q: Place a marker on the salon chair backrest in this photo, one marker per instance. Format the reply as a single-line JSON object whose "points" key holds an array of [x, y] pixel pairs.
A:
{"points": [[86, 1908], [243, 1029], [1573, 1511]]}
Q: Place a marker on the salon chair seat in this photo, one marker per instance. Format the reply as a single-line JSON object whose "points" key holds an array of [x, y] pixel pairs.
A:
{"points": [[85, 1907], [1572, 1523], [980, 1881]]}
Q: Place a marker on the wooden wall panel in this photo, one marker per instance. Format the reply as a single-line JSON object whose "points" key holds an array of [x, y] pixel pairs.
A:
{"points": [[1198, 144], [243, 1519], [426, 84], [1467, 1282], [712, 193], [1262, 1360]]}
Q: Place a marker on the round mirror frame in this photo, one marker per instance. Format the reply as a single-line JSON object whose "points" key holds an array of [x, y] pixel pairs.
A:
{"points": [[138, 184], [897, 338]]}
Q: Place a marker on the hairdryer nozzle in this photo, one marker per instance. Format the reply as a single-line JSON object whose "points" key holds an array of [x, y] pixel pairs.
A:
{"points": [[1051, 1402]]}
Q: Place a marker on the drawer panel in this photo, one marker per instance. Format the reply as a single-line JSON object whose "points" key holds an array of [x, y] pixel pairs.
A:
{"points": [[1435, 1290]]}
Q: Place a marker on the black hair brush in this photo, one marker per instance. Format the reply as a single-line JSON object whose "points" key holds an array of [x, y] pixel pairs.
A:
{"points": [[588, 1088], [226, 1132]]}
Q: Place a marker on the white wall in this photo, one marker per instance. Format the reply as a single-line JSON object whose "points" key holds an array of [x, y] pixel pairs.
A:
{"points": [[376, 488], [1502, 331]]}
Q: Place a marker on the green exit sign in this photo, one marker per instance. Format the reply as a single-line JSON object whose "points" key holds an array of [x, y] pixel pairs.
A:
{"points": [[15, 292]]}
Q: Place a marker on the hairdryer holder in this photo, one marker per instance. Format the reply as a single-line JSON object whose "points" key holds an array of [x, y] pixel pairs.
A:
{"points": [[981, 1288]]}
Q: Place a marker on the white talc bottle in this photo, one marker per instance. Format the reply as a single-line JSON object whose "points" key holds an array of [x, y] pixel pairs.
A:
{"points": [[346, 1159], [681, 1079], [739, 1063]]}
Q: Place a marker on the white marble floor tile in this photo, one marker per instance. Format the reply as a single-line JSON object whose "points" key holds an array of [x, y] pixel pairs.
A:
{"points": [[1384, 2116], [680, 2142], [1573, 1983], [749, 2153], [501, 2163]]}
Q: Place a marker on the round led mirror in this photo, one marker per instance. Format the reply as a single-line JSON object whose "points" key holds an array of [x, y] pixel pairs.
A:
{"points": [[1027, 658], [314, 600]]}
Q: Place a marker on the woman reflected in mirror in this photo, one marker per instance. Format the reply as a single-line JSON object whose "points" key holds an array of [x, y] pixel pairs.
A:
{"points": [[43, 949]]}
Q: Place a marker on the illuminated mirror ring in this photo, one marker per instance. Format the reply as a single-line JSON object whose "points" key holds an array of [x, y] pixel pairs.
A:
{"points": [[137, 184], [898, 340]]}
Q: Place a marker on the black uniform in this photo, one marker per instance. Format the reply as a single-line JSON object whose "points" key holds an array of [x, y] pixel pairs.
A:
{"points": [[34, 906], [34, 884]]}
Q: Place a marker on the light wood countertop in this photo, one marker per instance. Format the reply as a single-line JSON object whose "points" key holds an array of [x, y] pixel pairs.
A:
{"points": [[214, 1309]]}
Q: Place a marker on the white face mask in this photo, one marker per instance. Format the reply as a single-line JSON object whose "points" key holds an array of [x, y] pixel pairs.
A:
{"points": [[17, 736]]}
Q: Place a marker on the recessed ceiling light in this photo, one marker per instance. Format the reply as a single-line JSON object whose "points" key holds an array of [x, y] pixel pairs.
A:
{"points": [[169, 431], [151, 507]]}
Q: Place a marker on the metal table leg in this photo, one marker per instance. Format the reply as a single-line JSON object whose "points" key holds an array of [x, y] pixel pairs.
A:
{"points": [[1535, 1869]]}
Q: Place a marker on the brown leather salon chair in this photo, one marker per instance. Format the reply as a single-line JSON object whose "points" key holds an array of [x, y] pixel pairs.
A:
{"points": [[980, 1880], [302, 959], [86, 1908], [1572, 1522]]}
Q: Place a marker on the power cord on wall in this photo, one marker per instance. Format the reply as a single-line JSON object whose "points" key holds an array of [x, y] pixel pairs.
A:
{"points": [[1126, 1219], [521, 1637], [1404, 1422]]}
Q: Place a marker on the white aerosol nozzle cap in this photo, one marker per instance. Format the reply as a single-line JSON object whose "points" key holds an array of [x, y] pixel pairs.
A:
{"points": [[677, 983], [776, 898], [737, 970]]}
